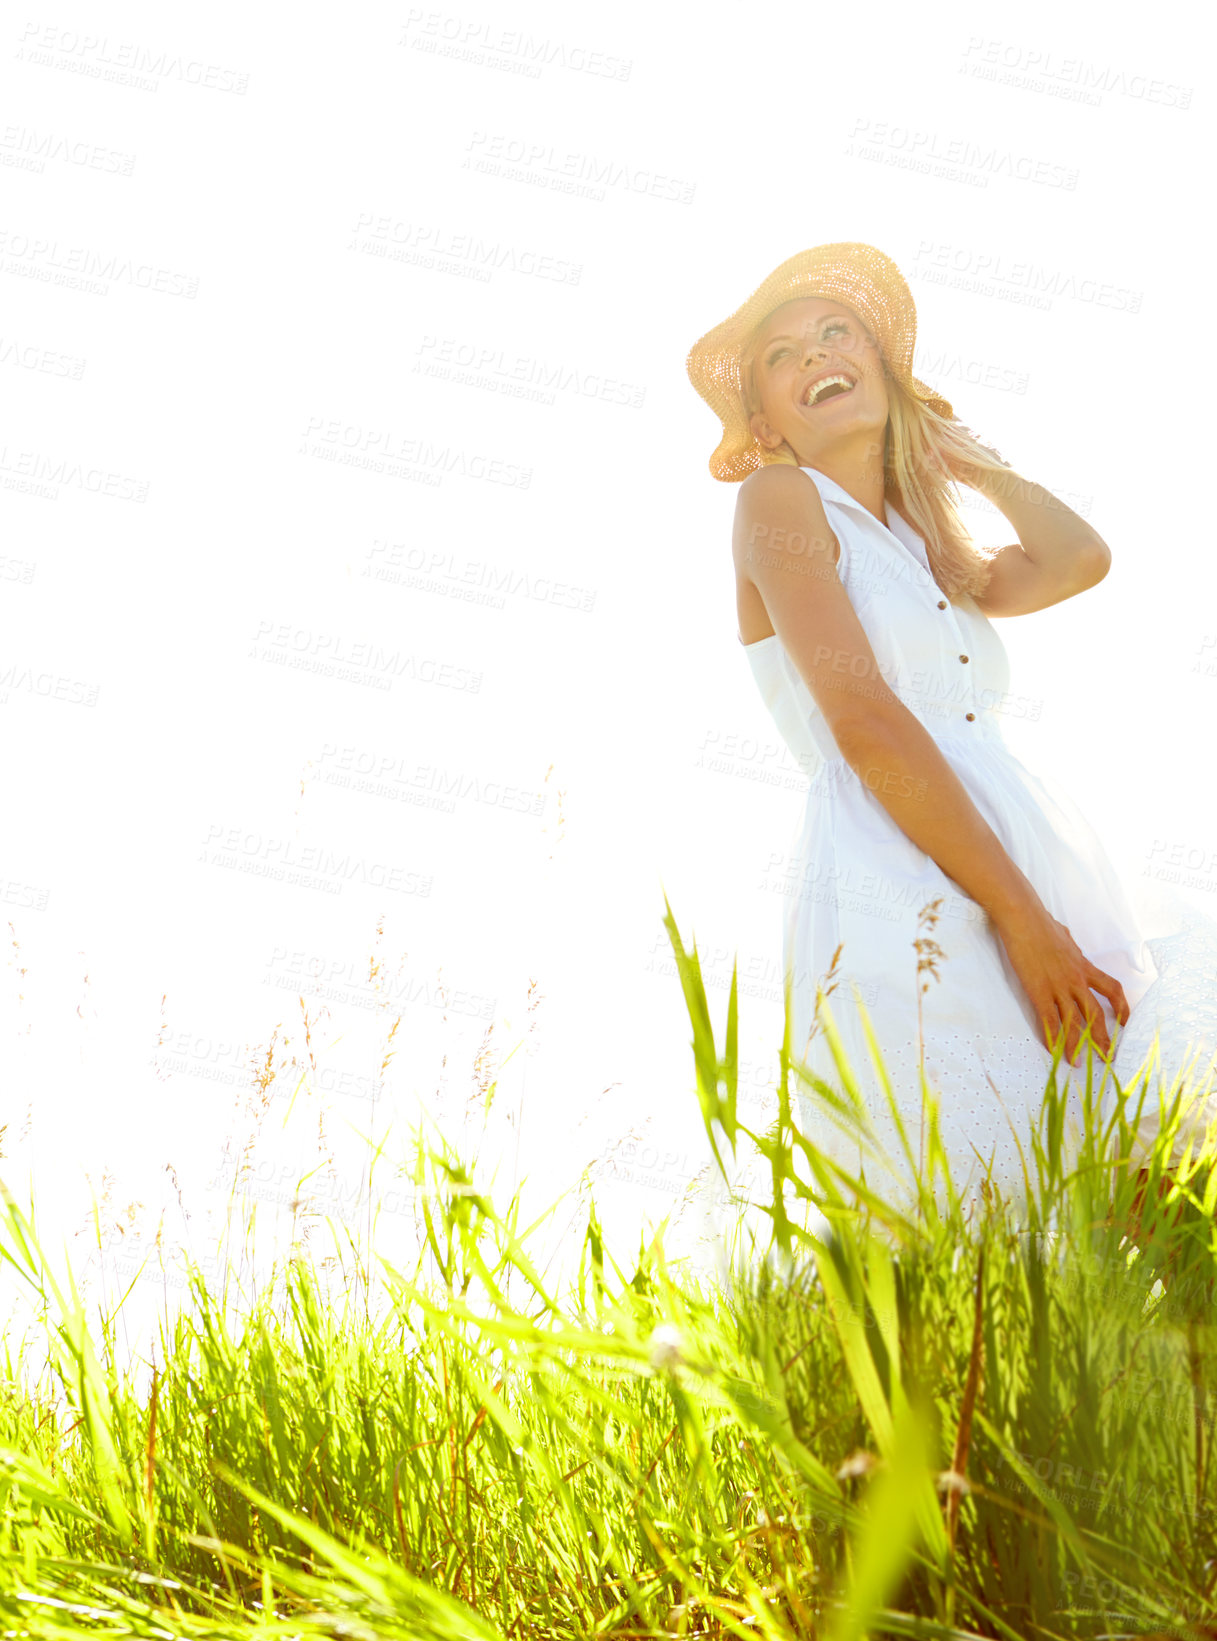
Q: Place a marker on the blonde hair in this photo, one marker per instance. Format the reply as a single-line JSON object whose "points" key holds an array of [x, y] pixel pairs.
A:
{"points": [[920, 450]]}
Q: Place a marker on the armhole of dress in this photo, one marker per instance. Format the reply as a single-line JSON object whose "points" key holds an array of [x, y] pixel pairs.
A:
{"points": [[842, 564]]}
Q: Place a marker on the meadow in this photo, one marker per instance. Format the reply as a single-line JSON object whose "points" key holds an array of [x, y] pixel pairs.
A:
{"points": [[899, 1416]]}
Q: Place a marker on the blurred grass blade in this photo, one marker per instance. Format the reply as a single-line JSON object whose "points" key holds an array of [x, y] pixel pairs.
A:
{"points": [[716, 1083], [889, 1532]]}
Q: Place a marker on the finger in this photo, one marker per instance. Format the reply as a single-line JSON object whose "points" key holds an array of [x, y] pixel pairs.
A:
{"points": [[1063, 1029], [1110, 988], [1072, 1033], [1079, 1014], [1092, 1016], [1071, 1045], [1098, 1026], [1050, 1021]]}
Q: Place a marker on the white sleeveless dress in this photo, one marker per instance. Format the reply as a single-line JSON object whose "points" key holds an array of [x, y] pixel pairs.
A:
{"points": [[854, 879]]}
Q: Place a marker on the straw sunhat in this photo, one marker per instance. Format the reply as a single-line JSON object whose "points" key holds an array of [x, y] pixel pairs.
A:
{"points": [[859, 276]]}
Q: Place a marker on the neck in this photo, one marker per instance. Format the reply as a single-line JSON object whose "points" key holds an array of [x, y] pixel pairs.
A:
{"points": [[857, 470]]}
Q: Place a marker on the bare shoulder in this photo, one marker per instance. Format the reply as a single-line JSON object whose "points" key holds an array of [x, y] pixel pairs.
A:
{"points": [[778, 510], [787, 561]]}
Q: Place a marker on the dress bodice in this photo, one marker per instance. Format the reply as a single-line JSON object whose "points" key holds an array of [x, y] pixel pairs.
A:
{"points": [[943, 660]]}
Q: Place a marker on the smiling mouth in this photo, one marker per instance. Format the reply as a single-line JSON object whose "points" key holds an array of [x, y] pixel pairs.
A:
{"points": [[828, 387]]}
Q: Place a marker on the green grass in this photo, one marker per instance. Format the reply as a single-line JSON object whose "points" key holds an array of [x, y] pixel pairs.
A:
{"points": [[896, 1420]]}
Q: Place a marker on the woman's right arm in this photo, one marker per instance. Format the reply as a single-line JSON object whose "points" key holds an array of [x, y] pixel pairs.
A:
{"points": [[783, 544]]}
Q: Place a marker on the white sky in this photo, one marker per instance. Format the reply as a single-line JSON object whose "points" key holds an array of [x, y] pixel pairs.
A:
{"points": [[255, 216]]}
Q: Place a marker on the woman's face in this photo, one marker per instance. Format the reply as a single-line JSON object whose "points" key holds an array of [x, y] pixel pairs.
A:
{"points": [[800, 348]]}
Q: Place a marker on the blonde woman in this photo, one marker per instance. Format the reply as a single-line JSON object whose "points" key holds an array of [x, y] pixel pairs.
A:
{"points": [[865, 611]]}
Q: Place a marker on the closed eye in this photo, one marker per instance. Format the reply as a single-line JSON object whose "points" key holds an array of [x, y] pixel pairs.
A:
{"points": [[833, 324]]}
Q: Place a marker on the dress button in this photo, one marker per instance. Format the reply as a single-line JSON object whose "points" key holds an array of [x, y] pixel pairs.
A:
{"points": [[942, 603], [963, 658], [969, 716]]}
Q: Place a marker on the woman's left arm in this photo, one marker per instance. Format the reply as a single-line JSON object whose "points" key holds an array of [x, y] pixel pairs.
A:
{"points": [[1057, 553]]}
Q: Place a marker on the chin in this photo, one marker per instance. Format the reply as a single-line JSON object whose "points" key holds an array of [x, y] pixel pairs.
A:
{"points": [[845, 428]]}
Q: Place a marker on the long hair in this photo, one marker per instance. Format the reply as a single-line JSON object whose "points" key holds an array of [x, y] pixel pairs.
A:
{"points": [[921, 451]]}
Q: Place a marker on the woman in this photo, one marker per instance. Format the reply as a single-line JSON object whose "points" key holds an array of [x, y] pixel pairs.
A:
{"points": [[864, 609]]}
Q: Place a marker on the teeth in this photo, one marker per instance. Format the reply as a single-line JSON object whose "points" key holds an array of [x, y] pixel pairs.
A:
{"points": [[813, 393]]}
